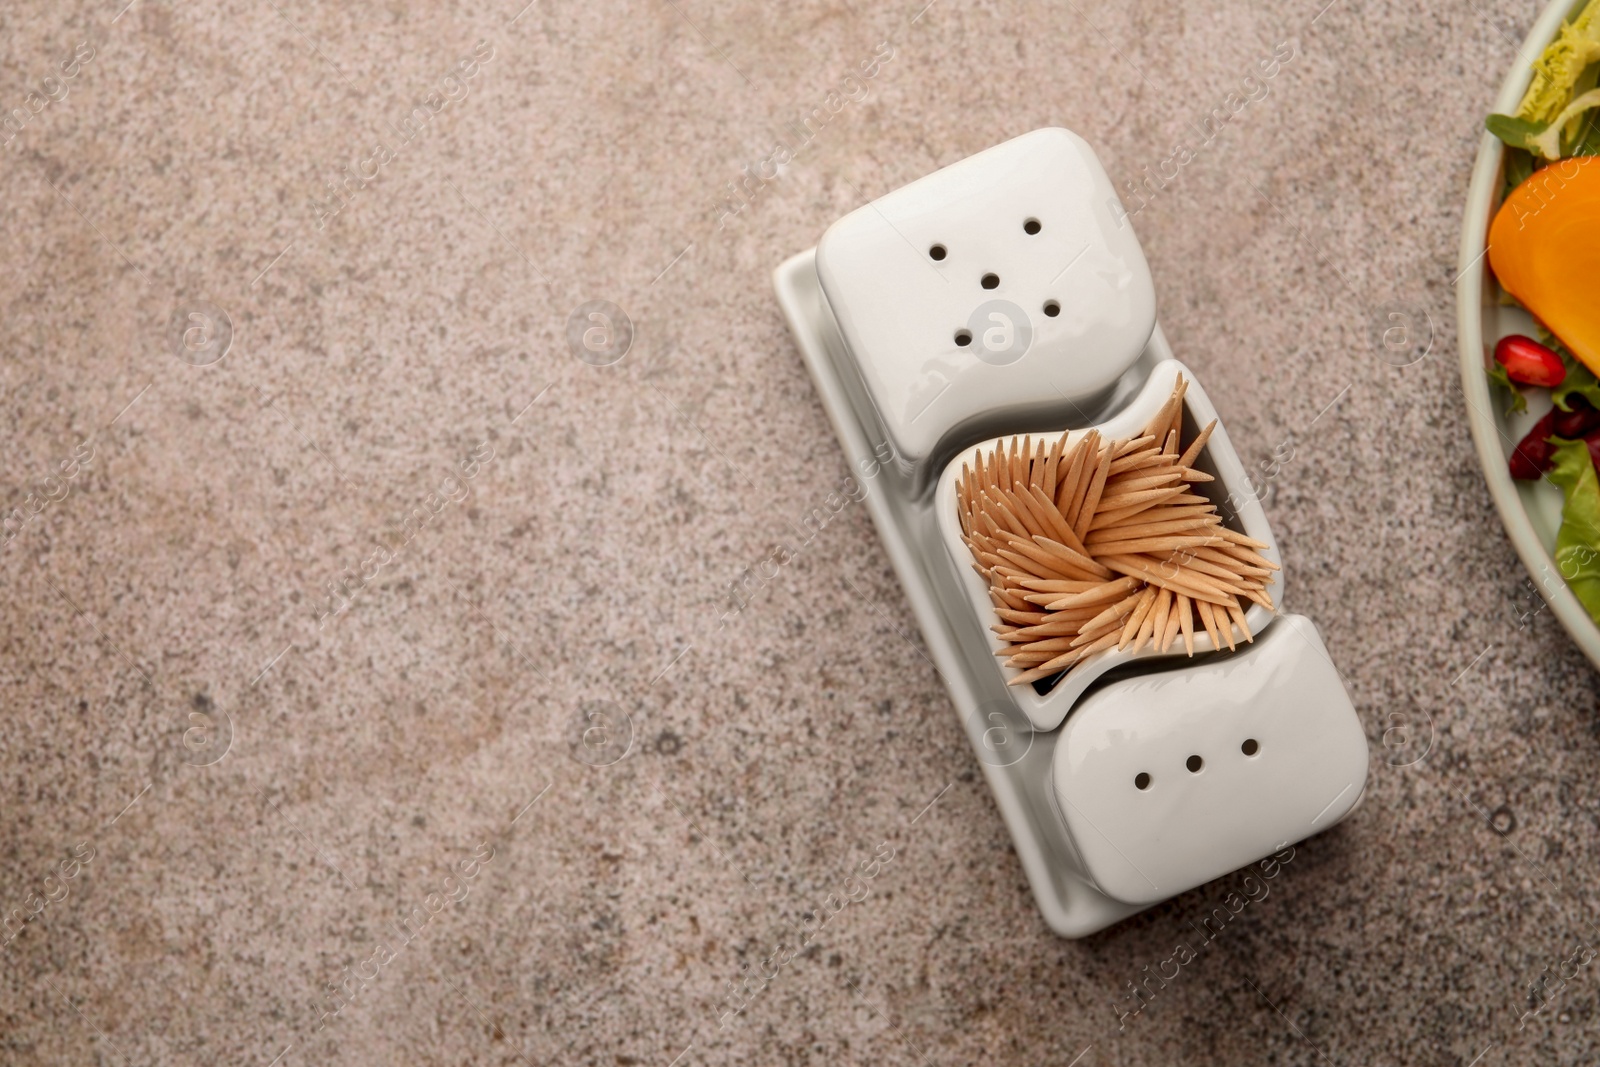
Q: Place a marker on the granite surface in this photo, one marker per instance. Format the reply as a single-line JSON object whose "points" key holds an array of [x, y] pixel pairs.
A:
{"points": [[365, 699]]}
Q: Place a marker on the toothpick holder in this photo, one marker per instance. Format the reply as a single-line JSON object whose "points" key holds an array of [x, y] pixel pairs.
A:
{"points": [[1007, 295]]}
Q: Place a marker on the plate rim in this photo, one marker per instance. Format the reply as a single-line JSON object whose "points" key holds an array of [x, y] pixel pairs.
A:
{"points": [[1486, 429]]}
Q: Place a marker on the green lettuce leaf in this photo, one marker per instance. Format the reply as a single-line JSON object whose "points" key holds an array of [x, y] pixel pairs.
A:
{"points": [[1553, 119], [1588, 139], [1570, 131], [1561, 72], [1498, 375], [1518, 167], [1515, 132], [1577, 552]]}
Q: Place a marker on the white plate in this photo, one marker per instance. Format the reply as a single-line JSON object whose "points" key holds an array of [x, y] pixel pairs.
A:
{"points": [[1531, 511]]}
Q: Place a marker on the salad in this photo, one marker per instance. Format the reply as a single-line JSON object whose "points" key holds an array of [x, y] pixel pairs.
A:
{"points": [[1544, 250]]}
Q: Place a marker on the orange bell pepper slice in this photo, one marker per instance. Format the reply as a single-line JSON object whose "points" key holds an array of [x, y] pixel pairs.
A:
{"points": [[1544, 247]]}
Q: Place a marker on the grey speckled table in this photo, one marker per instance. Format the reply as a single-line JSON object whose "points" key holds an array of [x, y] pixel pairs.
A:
{"points": [[263, 820]]}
